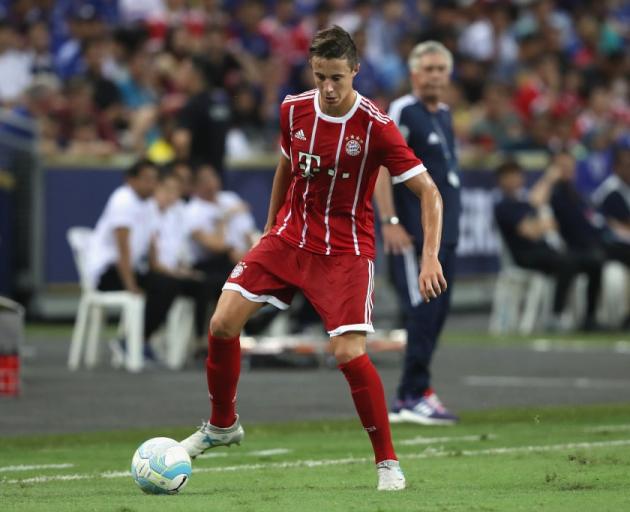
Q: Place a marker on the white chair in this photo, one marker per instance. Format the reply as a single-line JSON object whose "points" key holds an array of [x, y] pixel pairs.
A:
{"points": [[179, 332], [522, 298], [93, 303], [613, 306]]}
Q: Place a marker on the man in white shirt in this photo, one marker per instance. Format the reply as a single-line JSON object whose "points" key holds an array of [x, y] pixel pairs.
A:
{"points": [[220, 225], [220, 229], [120, 246], [169, 255]]}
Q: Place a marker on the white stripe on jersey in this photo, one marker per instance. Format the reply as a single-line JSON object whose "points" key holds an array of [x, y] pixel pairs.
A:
{"points": [[288, 215], [411, 275], [291, 130], [332, 186], [291, 119], [371, 114], [375, 111], [396, 106], [302, 94], [300, 97], [356, 194], [310, 150], [369, 303], [407, 175]]}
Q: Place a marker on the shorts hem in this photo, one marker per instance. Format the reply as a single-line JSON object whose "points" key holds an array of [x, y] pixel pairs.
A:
{"points": [[350, 327], [274, 301]]}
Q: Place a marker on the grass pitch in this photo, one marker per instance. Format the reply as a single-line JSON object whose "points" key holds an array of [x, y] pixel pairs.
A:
{"points": [[516, 460]]}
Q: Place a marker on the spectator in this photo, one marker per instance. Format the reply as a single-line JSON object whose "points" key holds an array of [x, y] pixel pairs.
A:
{"points": [[82, 130], [531, 236], [139, 97], [106, 95], [581, 228], [204, 119], [613, 200], [119, 250], [246, 135], [499, 126], [15, 72], [41, 57], [220, 226], [182, 170], [84, 23], [169, 256]]}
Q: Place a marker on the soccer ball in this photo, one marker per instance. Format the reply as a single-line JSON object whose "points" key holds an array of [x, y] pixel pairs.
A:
{"points": [[161, 466]]}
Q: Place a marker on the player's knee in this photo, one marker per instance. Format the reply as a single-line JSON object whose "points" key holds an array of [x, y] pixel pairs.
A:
{"points": [[222, 327], [346, 352]]}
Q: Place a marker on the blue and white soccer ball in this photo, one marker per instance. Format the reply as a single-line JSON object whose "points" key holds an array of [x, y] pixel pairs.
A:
{"points": [[161, 466]]}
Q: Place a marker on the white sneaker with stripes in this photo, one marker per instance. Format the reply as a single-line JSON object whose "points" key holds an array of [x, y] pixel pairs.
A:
{"points": [[390, 476], [208, 436]]}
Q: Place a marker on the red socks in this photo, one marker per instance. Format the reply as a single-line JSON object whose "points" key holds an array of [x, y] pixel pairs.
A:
{"points": [[223, 368], [369, 400]]}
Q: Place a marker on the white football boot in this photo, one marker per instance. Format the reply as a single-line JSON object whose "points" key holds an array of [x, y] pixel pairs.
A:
{"points": [[390, 476], [208, 436]]}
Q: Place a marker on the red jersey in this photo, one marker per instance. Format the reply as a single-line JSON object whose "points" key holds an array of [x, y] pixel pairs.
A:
{"points": [[334, 166]]}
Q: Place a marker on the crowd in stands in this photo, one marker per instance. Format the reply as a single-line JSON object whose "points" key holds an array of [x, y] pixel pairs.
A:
{"points": [[105, 76]]}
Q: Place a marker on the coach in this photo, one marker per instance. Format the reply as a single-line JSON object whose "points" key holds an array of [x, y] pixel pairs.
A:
{"points": [[426, 124]]}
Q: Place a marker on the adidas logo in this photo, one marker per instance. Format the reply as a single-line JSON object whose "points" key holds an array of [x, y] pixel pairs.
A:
{"points": [[300, 135]]}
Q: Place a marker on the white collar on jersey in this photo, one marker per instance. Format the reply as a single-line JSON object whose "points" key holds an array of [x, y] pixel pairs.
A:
{"points": [[334, 119]]}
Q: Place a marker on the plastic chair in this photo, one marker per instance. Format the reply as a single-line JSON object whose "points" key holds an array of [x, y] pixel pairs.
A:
{"points": [[92, 305], [179, 331], [613, 308], [522, 298]]}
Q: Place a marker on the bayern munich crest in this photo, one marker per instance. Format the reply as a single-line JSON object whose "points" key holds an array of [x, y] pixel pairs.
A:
{"points": [[353, 145], [238, 270]]}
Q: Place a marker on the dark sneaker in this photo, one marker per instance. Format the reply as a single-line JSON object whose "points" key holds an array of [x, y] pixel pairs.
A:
{"points": [[427, 410], [394, 413]]}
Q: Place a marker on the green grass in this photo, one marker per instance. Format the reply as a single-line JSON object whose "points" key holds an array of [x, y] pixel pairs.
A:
{"points": [[445, 475]]}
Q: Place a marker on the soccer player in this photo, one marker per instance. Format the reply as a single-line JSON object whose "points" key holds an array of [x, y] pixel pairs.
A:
{"points": [[319, 238], [426, 123]]}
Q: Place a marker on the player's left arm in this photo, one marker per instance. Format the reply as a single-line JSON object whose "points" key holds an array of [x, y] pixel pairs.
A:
{"points": [[431, 279]]}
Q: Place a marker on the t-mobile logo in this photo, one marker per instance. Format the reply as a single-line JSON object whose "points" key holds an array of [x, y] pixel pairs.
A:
{"points": [[309, 164]]}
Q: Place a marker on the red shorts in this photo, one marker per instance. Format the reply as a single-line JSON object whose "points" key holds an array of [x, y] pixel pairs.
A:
{"points": [[340, 288]]}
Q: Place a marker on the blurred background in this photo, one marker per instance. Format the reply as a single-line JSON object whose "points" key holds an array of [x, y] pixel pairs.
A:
{"points": [[88, 87]]}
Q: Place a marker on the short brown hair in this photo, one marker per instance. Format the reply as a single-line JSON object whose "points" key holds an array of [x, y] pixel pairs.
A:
{"points": [[334, 43], [508, 167]]}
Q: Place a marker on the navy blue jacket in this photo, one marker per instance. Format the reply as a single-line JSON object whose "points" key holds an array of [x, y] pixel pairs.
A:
{"points": [[431, 137]]}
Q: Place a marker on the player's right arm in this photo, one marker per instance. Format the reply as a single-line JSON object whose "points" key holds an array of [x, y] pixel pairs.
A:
{"points": [[282, 178], [281, 181]]}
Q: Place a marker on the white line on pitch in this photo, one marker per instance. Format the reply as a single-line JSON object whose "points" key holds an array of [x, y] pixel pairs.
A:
{"points": [[272, 451], [578, 346], [432, 440], [545, 382], [212, 455], [607, 428], [429, 453], [29, 467], [258, 453]]}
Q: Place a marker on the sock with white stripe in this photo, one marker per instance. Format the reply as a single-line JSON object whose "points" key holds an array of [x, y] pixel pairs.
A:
{"points": [[369, 399]]}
